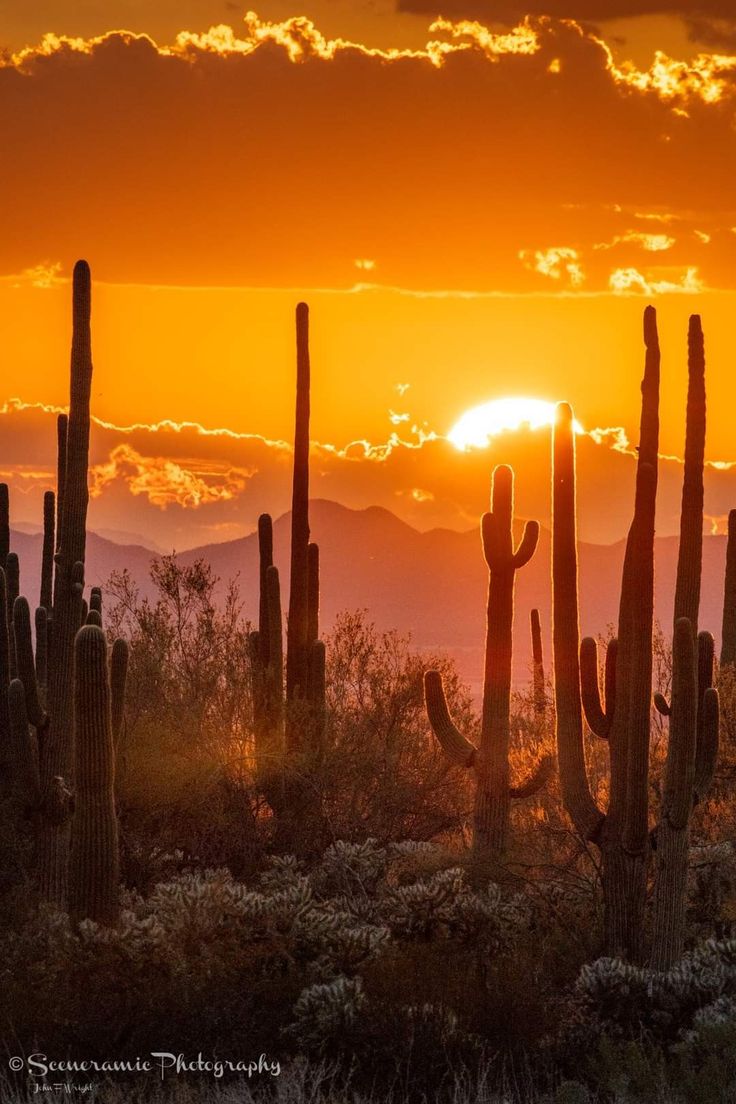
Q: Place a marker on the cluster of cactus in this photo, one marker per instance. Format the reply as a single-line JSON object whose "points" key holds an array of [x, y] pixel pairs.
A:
{"points": [[490, 759], [62, 704], [621, 832], [289, 713]]}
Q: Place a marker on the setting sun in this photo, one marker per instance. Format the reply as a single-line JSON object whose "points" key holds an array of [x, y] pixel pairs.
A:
{"points": [[476, 426]]}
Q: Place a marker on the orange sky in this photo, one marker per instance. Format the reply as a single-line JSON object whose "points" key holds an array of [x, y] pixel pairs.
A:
{"points": [[476, 210]]}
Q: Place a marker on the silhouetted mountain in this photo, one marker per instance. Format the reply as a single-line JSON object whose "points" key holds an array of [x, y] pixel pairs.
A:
{"points": [[431, 584]]}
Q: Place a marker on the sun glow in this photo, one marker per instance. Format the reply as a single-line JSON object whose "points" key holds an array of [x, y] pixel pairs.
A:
{"points": [[476, 427]]}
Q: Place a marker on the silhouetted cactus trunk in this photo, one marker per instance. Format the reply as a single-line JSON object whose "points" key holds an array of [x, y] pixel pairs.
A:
{"points": [[94, 858], [266, 649], [490, 761], [6, 750], [622, 833], [297, 655], [728, 628], [690, 556], [688, 765], [58, 745], [49, 547]]}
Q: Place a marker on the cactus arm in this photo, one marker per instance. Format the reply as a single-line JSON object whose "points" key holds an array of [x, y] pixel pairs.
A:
{"points": [[42, 648], [12, 573], [576, 794], [527, 545], [119, 658], [313, 593], [540, 695], [662, 705], [265, 560], [62, 426], [47, 555], [536, 779], [456, 747], [4, 524], [26, 783], [706, 754], [95, 600], [599, 722], [93, 618], [26, 663], [609, 677], [706, 660], [728, 630], [680, 769]]}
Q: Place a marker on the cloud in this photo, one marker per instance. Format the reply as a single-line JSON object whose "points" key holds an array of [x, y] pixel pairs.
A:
{"points": [[165, 482], [556, 262], [600, 10], [628, 280], [651, 243], [300, 169]]}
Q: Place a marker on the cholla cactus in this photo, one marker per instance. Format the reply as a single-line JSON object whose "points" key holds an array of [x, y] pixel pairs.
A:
{"points": [[350, 868], [326, 1011]]}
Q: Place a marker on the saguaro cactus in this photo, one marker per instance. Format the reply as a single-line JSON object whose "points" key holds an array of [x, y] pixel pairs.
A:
{"points": [[289, 720], [691, 758], [490, 761], [94, 857], [57, 749], [622, 831]]}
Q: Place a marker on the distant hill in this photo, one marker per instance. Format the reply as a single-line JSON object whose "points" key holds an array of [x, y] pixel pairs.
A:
{"points": [[431, 584]]}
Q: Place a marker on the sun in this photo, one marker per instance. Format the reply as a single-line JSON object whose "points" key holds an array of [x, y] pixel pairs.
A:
{"points": [[476, 426]]}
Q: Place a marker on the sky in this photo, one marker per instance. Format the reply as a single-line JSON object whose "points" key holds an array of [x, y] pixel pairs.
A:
{"points": [[476, 205]]}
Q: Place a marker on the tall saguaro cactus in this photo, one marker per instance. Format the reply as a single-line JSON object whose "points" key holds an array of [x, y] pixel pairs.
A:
{"points": [[289, 715], [94, 857], [622, 831], [490, 761], [57, 746]]}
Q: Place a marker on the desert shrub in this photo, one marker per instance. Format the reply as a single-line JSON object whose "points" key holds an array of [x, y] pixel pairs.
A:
{"points": [[384, 774]]}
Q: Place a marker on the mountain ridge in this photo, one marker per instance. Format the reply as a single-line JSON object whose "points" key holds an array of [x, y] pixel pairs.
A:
{"points": [[430, 584]]}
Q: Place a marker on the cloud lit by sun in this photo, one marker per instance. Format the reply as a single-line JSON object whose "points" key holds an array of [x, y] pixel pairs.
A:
{"points": [[476, 427]]}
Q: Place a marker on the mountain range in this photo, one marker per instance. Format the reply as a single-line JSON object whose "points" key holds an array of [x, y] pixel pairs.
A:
{"points": [[431, 585]]}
